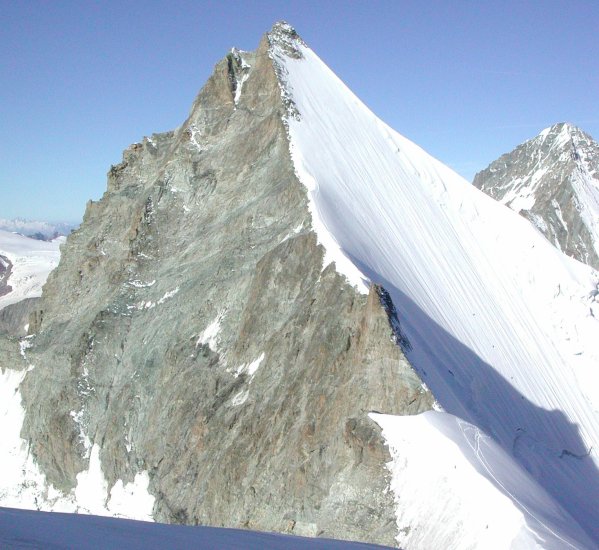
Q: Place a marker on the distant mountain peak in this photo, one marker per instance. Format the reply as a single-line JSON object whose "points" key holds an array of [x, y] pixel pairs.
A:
{"points": [[562, 135], [553, 181], [37, 229], [566, 127]]}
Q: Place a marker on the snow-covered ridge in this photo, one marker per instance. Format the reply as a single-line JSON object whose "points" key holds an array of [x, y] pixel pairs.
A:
{"points": [[504, 328], [32, 260]]}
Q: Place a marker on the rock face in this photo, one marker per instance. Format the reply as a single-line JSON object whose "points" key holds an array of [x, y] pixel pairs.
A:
{"points": [[553, 180], [15, 317], [5, 270], [191, 331]]}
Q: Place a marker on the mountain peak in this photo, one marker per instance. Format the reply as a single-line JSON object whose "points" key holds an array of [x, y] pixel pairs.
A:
{"points": [[283, 27], [552, 180], [216, 335], [562, 132], [284, 37]]}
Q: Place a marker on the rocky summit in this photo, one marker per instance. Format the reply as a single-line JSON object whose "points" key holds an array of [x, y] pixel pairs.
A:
{"points": [[553, 181], [192, 334]]}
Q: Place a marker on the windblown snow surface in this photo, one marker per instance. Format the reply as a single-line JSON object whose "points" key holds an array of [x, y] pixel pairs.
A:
{"points": [[31, 260], [504, 329], [24, 529]]}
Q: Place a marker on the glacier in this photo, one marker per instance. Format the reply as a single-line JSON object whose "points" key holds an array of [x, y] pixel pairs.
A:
{"points": [[31, 260], [504, 328]]}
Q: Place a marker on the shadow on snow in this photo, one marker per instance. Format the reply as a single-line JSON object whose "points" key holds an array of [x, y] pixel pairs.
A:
{"points": [[544, 442]]}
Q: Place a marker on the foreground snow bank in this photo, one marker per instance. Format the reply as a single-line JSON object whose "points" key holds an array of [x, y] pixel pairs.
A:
{"points": [[27, 529]]}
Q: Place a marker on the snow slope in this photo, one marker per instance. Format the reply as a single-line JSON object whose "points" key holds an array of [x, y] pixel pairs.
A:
{"points": [[553, 181], [31, 260], [449, 474], [504, 328]]}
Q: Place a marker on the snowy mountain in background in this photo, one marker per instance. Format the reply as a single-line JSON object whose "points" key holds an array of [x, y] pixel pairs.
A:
{"points": [[286, 316], [553, 181], [24, 266], [37, 229]]}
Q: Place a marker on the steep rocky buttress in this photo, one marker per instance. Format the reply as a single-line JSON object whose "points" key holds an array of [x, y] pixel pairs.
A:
{"points": [[191, 332]]}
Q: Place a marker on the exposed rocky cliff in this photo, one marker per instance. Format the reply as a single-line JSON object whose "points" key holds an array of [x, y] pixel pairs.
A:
{"points": [[5, 270], [14, 318], [553, 180], [191, 332]]}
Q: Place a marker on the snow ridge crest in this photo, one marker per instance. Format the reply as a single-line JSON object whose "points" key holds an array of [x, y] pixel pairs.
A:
{"points": [[283, 43]]}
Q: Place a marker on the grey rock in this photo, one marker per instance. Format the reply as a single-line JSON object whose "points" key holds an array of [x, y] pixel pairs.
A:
{"points": [[191, 324], [10, 356], [553, 181], [5, 271], [15, 317]]}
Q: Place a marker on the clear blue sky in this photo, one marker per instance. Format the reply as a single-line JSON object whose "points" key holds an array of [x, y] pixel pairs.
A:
{"points": [[466, 80]]}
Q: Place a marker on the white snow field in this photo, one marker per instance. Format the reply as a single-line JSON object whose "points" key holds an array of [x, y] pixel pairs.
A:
{"points": [[24, 529], [31, 260], [504, 328]]}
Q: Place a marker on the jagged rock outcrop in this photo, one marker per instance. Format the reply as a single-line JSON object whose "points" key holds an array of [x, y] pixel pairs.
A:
{"points": [[553, 180], [190, 331]]}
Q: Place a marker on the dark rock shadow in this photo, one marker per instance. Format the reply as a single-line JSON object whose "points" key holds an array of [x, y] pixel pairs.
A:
{"points": [[544, 442]]}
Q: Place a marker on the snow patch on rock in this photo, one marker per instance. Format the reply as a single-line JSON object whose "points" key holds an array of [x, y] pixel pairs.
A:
{"points": [[209, 336], [250, 368]]}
